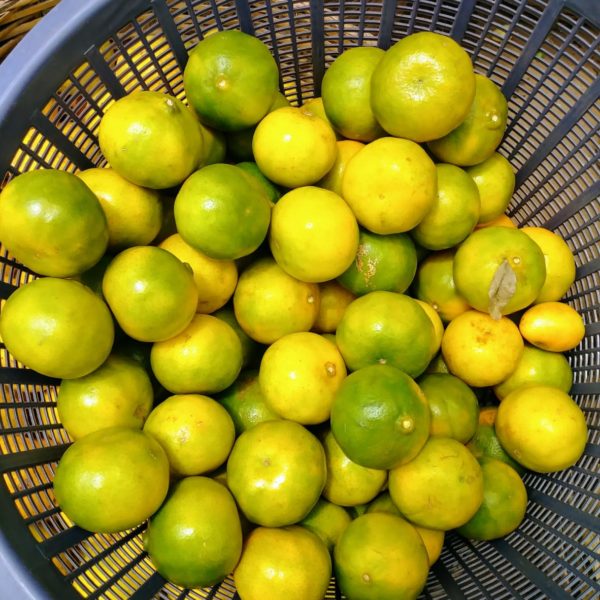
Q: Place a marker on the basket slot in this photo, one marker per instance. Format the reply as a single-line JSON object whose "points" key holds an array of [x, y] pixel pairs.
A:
{"points": [[587, 388], [106, 74], [538, 35], [63, 540], [30, 458], [169, 28], [106, 552], [565, 510], [549, 68], [546, 585], [461, 21], [587, 99], [149, 588], [447, 581], [587, 269], [473, 573]]}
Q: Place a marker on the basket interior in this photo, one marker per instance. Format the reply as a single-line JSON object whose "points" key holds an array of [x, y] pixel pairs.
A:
{"points": [[544, 55]]}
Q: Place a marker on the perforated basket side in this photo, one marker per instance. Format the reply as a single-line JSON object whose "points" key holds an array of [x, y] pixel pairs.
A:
{"points": [[54, 89]]}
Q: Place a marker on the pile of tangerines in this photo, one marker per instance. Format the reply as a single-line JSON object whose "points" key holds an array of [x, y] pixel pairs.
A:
{"points": [[298, 341]]}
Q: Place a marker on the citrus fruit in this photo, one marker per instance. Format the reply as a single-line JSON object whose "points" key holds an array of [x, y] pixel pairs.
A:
{"points": [[151, 138], [382, 262], [537, 367], [52, 223], [328, 521], [432, 538], [205, 357], [93, 482], [133, 213], [453, 405], [485, 444], [57, 327], [299, 376], [215, 279], [276, 472], [500, 221], [150, 292], [438, 325], [553, 326], [480, 133], [245, 402], [286, 563], [482, 351], [434, 284], [542, 428], [348, 483], [195, 431], [390, 184], [118, 392], [495, 180], [239, 142], [386, 328], [423, 87], [441, 488], [499, 270], [251, 350], [272, 191], [269, 303], [334, 299], [303, 224], [437, 364], [454, 213], [195, 538], [380, 556], [222, 212], [346, 149], [293, 148], [315, 108], [214, 146], [380, 417], [560, 263], [231, 80], [504, 503], [346, 93]]}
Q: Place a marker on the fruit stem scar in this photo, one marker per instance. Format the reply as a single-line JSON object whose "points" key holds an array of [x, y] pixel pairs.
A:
{"points": [[330, 369], [406, 424]]}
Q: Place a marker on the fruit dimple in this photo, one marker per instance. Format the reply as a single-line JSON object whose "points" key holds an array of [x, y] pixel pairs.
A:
{"points": [[330, 369], [405, 424]]}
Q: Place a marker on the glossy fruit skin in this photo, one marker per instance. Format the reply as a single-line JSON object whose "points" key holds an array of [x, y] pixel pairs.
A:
{"points": [[542, 428], [195, 539], [222, 212], [479, 258], [151, 138], [221, 71], [423, 87], [57, 327], [380, 417], [297, 557], [276, 472], [380, 556], [52, 223], [504, 503], [151, 293], [112, 479]]}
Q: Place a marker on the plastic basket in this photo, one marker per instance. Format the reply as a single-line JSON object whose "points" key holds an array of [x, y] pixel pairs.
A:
{"points": [[54, 87]]}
